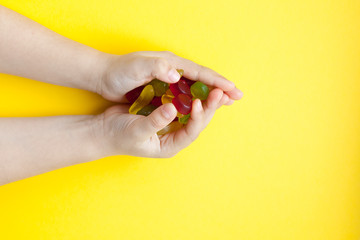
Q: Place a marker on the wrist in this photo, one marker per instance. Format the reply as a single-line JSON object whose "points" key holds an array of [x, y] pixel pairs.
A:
{"points": [[96, 63], [84, 139], [99, 141]]}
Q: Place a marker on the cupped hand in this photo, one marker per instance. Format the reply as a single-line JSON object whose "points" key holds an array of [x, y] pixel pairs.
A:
{"points": [[122, 73], [121, 133]]}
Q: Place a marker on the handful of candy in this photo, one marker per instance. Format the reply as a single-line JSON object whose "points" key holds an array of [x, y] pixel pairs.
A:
{"points": [[145, 99]]}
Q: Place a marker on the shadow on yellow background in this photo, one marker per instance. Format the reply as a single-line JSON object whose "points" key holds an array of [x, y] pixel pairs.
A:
{"points": [[284, 163]]}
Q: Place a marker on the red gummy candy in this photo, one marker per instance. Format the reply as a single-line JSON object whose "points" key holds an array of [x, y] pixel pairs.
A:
{"points": [[134, 94], [188, 81], [174, 89], [183, 103], [156, 101], [181, 87], [184, 87]]}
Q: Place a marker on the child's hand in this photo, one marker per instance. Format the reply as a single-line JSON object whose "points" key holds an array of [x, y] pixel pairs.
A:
{"points": [[118, 132], [31, 146], [122, 73]]}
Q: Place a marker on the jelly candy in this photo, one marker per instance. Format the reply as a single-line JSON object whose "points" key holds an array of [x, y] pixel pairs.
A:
{"points": [[172, 127], [184, 119], [134, 94], [180, 71], [180, 87], [145, 111], [160, 87], [167, 97], [188, 81], [182, 103], [184, 87], [199, 90], [180, 115], [144, 99], [174, 89], [169, 93], [156, 101]]}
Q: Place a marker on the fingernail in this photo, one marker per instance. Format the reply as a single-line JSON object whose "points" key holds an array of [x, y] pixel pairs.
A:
{"points": [[198, 105], [167, 111], [174, 76]]}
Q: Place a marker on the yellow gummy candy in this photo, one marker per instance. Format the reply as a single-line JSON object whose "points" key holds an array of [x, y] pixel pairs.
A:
{"points": [[144, 99]]}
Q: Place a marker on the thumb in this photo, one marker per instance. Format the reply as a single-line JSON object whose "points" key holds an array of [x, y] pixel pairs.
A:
{"points": [[157, 120]]}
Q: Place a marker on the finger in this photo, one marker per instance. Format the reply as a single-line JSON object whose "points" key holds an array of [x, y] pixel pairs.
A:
{"points": [[224, 99], [210, 106], [235, 94], [148, 126], [160, 68], [195, 71], [175, 141], [200, 117], [230, 102], [203, 74], [213, 100]]}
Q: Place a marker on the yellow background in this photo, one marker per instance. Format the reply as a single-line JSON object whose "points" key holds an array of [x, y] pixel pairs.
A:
{"points": [[283, 163]]}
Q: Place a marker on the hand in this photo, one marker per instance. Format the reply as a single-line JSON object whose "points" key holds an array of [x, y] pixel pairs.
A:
{"points": [[119, 133], [123, 73]]}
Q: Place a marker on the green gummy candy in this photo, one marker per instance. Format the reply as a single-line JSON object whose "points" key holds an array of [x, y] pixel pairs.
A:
{"points": [[199, 90], [184, 119], [160, 87], [145, 111]]}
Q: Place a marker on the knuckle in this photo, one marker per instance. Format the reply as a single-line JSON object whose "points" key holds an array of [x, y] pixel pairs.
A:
{"points": [[198, 71], [202, 68], [161, 64], [155, 122]]}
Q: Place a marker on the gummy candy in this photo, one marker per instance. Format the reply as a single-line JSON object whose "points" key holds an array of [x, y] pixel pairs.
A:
{"points": [[199, 90], [174, 89], [160, 87], [156, 101], [145, 111], [172, 127], [134, 94], [180, 87], [167, 97], [184, 87], [179, 115], [182, 103], [188, 81], [144, 99], [184, 119], [180, 71], [169, 93]]}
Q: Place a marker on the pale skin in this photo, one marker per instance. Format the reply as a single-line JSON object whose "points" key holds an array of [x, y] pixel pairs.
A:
{"points": [[31, 146]]}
